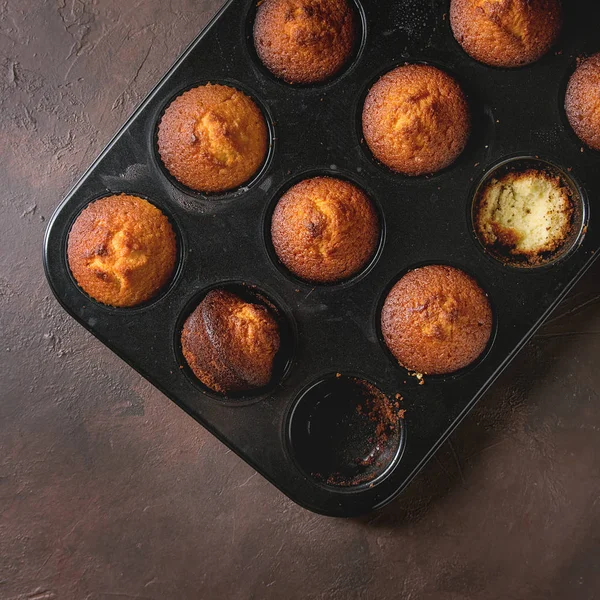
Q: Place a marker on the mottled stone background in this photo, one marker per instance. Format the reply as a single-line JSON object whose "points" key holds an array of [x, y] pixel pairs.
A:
{"points": [[109, 492]]}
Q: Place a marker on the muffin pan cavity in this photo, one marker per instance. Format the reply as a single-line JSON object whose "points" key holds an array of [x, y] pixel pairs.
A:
{"points": [[477, 135], [163, 290], [341, 175], [442, 311], [340, 446], [345, 433], [287, 341], [522, 210], [360, 38], [258, 174]]}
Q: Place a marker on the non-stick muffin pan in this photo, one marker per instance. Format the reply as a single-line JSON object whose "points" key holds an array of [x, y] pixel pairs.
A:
{"points": [[342, 428]]}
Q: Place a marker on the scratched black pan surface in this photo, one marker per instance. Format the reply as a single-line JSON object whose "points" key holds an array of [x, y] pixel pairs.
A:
{"points": [[334, 329]]}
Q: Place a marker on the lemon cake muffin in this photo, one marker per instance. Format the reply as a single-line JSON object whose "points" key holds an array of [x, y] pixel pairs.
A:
{"points": [[121, 250], [304, 41], [325, 229], [583, 101], [436, 320], [527, 215], [506, 33], [230, 344], [416, 119], [212, 138]]}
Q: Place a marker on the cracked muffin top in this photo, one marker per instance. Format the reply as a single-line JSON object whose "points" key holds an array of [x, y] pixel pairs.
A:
{"points": [[582, 102], [325, 229], [506, 33], [212, 138], [230, 344], [304, 41], [436, 320], [122, 250], [416, 119]]}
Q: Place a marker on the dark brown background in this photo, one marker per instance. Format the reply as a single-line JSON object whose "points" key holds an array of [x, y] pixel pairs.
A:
{"points": [[109, 492]]}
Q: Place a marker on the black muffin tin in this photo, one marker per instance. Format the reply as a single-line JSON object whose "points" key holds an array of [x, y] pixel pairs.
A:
{"points": [[223, 239]]}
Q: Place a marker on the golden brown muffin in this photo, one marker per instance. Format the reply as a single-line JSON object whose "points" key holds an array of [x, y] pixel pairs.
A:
{"points": [[122, 250], [212, 138], [416, 120], [526, 215], [583, 101], [436, 320], [506, 33], [324, 229], [304, 41], [230, 344]]}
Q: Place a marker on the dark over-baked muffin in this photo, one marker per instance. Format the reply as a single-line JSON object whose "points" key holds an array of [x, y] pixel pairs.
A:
{"points": [[324, 229], [416, 119], [526, 215], [230, 344], [121, 250], [506, 33], [582, 102], [304, 41], [436, 320], [212, 138]]}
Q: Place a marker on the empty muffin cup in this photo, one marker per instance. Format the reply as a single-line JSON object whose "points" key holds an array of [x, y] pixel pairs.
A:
{"points": [[345, 432], [528, 212]]}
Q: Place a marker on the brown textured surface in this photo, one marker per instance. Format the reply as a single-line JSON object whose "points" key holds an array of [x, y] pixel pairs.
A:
{"points": [[436, 320], [416, 119], [230, 344], [506, 33], [304, 41], [122, 250], [324, 229], [212, 138], [110, 492], [582, 102]]}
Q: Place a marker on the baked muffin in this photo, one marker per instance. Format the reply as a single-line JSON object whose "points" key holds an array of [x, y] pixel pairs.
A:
{"points": [[212, 138], [525, 215], [506, 33], [121, 250], [324, 229], [436, 320], [583, 101], [230, 344], [304, 41], [416, 120]]}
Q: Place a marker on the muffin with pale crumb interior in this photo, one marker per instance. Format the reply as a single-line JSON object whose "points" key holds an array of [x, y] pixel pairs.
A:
{"points": [[526, 216]]}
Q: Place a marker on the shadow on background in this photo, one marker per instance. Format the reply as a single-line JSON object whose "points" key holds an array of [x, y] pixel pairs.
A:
{"points": [[505, 410]]}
